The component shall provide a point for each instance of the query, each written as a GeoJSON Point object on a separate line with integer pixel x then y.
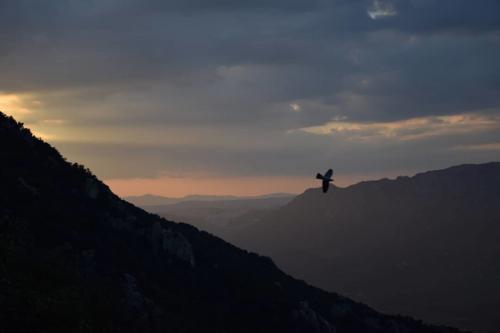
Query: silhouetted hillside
{"type": "Point", "coordinates": [76, 258]}
{"type": "Point", "coordinates": [425, 246]}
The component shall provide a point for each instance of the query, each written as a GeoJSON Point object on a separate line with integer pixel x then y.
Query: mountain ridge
{"type": "Point", "coordinates": [76, 257]}
{"type": "Point", "coordinates": [380, 241]}
{"type": "Point", "coordinates": [454, 168]}
{"type": "Point", "coordinates": [158, 200]}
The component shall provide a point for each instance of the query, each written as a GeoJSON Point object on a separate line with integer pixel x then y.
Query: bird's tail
{"type": "Point", "coordinates": [319, 176]}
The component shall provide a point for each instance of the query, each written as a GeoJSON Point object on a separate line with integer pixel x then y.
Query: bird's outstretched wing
{"type": "Point", "coordinates": [326, 184]}
{"type": "Point", "coordinates": [329, 173]}
{"type": "Point", "coordinates": [319, 176]}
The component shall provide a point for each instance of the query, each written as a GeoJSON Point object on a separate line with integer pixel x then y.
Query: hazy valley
{"type": "Point", "coordinates": [425, 246]}
{"type": "Point", "coordinates": [214, 214]}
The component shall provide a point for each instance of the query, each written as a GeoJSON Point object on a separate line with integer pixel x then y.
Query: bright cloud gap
{"type": "Point", "coordinates": [408, 129]}
{"type": "Point", "coordinates": [381, 9]}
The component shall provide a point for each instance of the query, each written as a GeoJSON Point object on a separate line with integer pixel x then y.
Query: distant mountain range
{"type": "Point", "coordinates": [74, 257]}
{"type": "Point", "coordinates": [156, 200]}
{"type": "Point", "coordinates": [426, 245]}
{"type": "Point", "coordinates": [215, 215]}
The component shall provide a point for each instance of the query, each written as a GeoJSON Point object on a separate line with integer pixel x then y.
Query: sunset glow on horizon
{"type": "Point", "coordinates": [165, 99]}
{"type": "Point", "coordinates": [245, 186]}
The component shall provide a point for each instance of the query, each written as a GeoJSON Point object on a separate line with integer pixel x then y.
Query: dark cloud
{"type": "Point", "coordinates": [458, 16]}
{"type": "Point", "coordinates": [240, 64]}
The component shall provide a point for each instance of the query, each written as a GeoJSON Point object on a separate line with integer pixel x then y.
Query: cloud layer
{"type": "Point", "coordinates": [220, 87]}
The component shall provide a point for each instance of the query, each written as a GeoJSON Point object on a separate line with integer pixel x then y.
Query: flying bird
{"type": "Point", "coordinates": [326, 179]}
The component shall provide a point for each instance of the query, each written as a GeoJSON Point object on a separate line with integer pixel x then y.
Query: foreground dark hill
{"type": "Point", "coordinates": [76, 258]}
{"type": "Point", "coordinates": [427, 246]}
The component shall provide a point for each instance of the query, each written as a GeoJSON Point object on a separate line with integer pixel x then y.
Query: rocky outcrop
{"type": "Point", "coordinates": [310, 320]}
{"type": "Point", "coordinates": [171, 243]}
{"type": "Point", "coordinates": [175, 244]}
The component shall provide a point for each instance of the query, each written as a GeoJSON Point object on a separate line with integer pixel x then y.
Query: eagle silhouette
{"type": "Point", "coordinates": [326, 179]}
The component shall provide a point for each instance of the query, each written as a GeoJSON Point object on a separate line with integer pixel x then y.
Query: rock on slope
{"type": "Point", "coordinates": [74, 257]}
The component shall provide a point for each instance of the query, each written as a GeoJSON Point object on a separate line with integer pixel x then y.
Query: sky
{"type": "Point", "coordinates": [250, 97]}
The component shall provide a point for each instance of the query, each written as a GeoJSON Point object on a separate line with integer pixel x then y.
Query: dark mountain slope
{"type": "Point", "coordinates": [74, 257]}
{"type": "Point", "coordinates": [425, 246]}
